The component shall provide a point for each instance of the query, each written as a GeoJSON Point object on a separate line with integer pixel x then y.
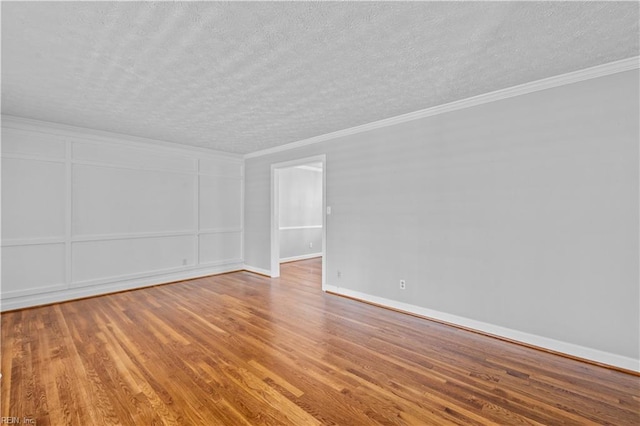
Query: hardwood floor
{"type": "Point", "coordinates": [244, 349]}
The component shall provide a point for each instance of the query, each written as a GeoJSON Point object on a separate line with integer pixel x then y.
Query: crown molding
{"type": "Point", "coordinates": [93, 135]}
{"type": "Point", "coordinates": [510, 92]}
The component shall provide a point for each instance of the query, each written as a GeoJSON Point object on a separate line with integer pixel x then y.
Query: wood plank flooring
{"type": "Point", "coordinates": [241, 349]}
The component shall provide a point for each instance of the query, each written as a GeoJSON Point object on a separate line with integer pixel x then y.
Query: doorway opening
{"type": "Point", "coordinates": [298, 207]}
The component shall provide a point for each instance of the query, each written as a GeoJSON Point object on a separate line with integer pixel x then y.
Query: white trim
{"type": "Point", "coordinates": [68, 217]}
{"type": "Point", "coordinates": [142, 168]}
{"type": "Point", "coordinates": [73, 137]}
{"type": "Point", "coordinates": [301, 257]}
{"type": "Point", "coordinates": [275, 226]}
{"type": "Point", "coordinates": [131, 236]}
{"type": "Point", "coordinates": [324, 222]}
{"type": "Point", "coordinates": [115, 236]}
{"type": "Point", "coordinates": [256, 270]}
{"type": "Point", "coordinates": [29, 157]}
{"type": "Point", "coordinates": [33, 241]}
{"type": "Point", "coordinates": [87, 135]}
{"type": "Point", "coordinates": [242, 191]}
{"type": "Point", "coordinates": [35, 290]}
{"type": "Point", "coordinates": [131, 284]}
{"type": "Point", "coordinates": [531, 339]}
{"type": "Point", "coordinates": [196, 212]}
{"type": "Point", "coordinates": [510, 92]}
{"type": "Point", "coordinates": [291, 228]}
{"type": "Point", "coordinates": [114, 165]}
{"type": "Point", "coordinates": [152, 273]}
{"type": "Point", "coordinates": [219, 230]}
{"type": "Point", "coordinates": [275, 222]}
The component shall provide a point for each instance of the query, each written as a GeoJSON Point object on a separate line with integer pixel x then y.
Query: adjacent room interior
{"type": "Point", "coordinates": [320, 213]}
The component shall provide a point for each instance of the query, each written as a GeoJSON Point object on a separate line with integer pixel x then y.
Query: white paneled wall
{"type": "Point", "coordinates": [110, 200]}
{"type": "Point", "coordinates": [33, 197]}
{"type": "Point", "coordinates": [85, 212]}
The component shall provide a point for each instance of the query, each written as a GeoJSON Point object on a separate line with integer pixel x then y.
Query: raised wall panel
{"type": "Point", "coordinates": [132, 157]}
{"type": "Point", "coordinates": [31, 143]}
{"type": "Point", "coordinates": [220, 202]}
{"type": "Point", "coordinates": [115, 201]}
{"type": "Point", "coordinates": [33, 199]}
{"type": "Point", "coordinates": [98, 260]}
{"type": "Point", "coordinates": [31, 269]}
{"type": "Point", "coordinates": [221, 167]}
{"type": "Point", "coordinates": [220, 246]}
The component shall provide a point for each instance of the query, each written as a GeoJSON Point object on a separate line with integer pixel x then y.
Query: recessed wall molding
{"type": "Point", "coordinates": [128, 211]}
{"type": "Point", "coordinates": [130, 236]}
{"type": "Point", "coordinates": [33, 241]}
{"type": "Point", "coordinates": [522, 89]}
{"type": "Point", "coordinates": [218, 231]}
{"type": "Point", "coordinates": [32, 158]}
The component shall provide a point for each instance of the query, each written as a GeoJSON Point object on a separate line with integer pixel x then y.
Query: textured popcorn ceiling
{"type": "Point", "coordinates": [242, 77]}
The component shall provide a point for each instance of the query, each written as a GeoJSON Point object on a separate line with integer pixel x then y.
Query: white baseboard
{"type": "Point", "coordinates": [519, 336]}
{"type": "Point", "coordinates": [256, 270]}
{"type": "Point", "coordinates": [8, 304]}
{"type": "Point", "coordinates": [301, 257]}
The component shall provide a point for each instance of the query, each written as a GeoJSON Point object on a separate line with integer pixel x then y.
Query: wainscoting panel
{"type": "Point", "coordinates": [97, 261]}
{"type": "Point", "coordinates": [33, 199]}
{"type": "Point", "coordinates": [220, 202]}
{"type": "Point", "coordinates": [34, 268]}
{"type": "Point", "coordinates": [111, 200]}
{"type": "Point", "coordinates": [220, 247]}
{"type": "Point", "coordinates": [86, 212]}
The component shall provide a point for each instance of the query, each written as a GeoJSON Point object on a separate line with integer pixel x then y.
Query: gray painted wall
{"type": "Point", "coordinates": [300, 243]}
{"type": "Point", "coordinates": [521, 213]}
{"type": "Point", "coordinates": [300, 201]}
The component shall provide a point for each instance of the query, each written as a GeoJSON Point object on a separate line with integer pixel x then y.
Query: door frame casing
{"type": "Point", "coordinates": [275, 211]}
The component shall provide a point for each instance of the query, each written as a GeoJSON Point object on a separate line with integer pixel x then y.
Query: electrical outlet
{"type": "Point", "coordinates": [311, 245]}
{"type": "Point", "coordinates": [184, 261]}
{"type": "Point", "coordinates": [339, 274]}
{"type": "Point", "coordinates": [403, 284]}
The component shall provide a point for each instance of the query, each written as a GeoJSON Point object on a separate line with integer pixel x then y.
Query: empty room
{"type": "Point", "coordinates": [320, 213]}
